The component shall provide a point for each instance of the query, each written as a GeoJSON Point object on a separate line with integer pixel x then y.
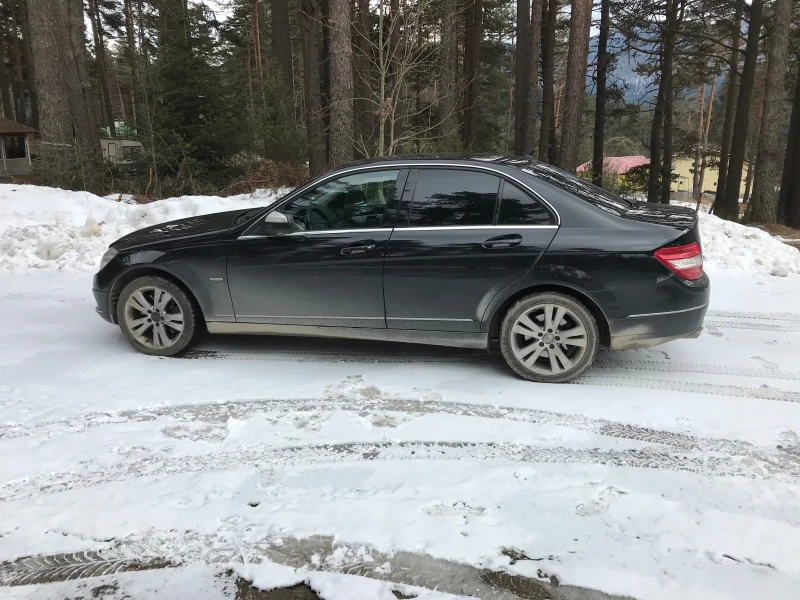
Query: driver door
{"type": "Point", "coordinates": [328, 270]}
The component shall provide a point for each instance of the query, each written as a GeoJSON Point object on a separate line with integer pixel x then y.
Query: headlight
{"type": "Point", "coordinates": [110, 254]}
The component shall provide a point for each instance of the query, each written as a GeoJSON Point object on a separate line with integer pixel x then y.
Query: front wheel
{"type": "Point", "coordinates": [549, 337]}
{"type": "Point", "coordinates": [156, 316]}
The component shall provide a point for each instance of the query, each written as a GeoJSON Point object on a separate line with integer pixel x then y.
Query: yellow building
{"type": "Point", "coordinates": [683, 169]}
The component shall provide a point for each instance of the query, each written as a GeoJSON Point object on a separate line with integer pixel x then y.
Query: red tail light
{"type": "Point", "coordinates": [684, 261]}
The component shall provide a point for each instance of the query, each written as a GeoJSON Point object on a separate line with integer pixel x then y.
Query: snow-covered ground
{"type": "Point", "coordinates": [665, 473]}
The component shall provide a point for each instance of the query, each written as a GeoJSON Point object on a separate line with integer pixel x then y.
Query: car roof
{"type": "Point", "coordinates": [445, 159]}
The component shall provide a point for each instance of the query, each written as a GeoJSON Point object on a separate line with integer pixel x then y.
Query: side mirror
{"type": "Point", "coordinates": [277, 222]}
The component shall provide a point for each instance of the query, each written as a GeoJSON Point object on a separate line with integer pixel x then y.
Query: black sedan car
{"type": "Point", "coordinates": [465, 252]}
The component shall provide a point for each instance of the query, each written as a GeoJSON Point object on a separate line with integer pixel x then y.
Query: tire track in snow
{"type": "Point", "coordinates": [483, 358]}
{"type": "Point", "coordinates": [683, 367]}
{"type": "Point", "coordinates": [259, 456]}
{"type": "Point", "coordinates": [313, 553]}
{"type": "Point", "coordinates": [32, 570]}
{"type": "Point", "coordinates": [762, 316]}
{"type": "Point", "coordinates": [220, 413]}
{"type": "Point", "coordinates": [711, 389]}
{"type": "Point", "coordinates": [785, 328]}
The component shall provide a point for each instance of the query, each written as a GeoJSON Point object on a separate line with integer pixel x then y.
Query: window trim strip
{"type": "Point", "coordinates": [411, 165]}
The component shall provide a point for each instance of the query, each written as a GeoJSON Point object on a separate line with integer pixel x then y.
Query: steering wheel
{"type": "Point", "coordinates": [325, 220]}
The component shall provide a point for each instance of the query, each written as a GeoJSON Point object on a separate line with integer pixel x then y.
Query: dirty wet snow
{"type": "Point", "coordinates": [364, 469]}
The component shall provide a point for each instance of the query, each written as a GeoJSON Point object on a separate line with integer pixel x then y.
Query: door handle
{"type": "Point", "coordinates": [358, 248]}
{"type": "Point", "coordinates": [503, 241]}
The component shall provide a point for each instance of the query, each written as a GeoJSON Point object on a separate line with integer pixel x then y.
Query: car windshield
{"type": "Point", "coordinates": [578, 187]}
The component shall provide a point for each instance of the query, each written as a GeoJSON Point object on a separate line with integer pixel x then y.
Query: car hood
{"type": "Point", "coordinates": [200, 226]}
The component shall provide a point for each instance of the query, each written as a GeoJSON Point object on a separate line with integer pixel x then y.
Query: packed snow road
{"type": "Point", "coordinates": [364, 468]}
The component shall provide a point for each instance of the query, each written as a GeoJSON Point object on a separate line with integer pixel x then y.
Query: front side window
{"type": "Point", "coordinates": [352, 202]}
{"type": "Point", "coordinates": [519, 208]}
{"type": "Point", "coordinates": [452, 197]}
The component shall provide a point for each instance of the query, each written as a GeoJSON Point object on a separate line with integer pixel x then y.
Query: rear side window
{"type": "Point", "coordinates": [452, 197]}
{"type": "Point", "coordinates": [519, 208]}
{"type": "Point", "coordinates": [578, 187]}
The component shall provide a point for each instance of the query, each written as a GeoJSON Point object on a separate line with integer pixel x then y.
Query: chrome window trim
{"type": "Point", "coordinates": [457, 227]}
{"type": "Point", "coordinates": [316, 232]}
{"type": "Point", "coordinates": [669, 312]}
{"type": "Point", "coordinates": [409, 165]}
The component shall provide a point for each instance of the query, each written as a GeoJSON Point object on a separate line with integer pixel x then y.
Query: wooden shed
{"type": "Point", "coordinates": [14, 147]}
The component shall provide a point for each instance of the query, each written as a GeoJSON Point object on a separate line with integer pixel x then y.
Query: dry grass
{"type": "Point", "coordinates": [791, 236]}
{"type": "Point", "coordinates": [268, 175]}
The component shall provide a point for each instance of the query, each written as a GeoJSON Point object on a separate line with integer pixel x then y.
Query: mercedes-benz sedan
{"type": "Point", "coordinates": [467, 251]}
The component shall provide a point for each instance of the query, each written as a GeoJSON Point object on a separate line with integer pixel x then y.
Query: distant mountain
{"type": "Point", "coordinates": [637, 87]}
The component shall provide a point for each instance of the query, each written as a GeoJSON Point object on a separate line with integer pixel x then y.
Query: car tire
{"type": "Point", "coordinates": [531, 343]}
{"type": "Point", "coordinates": [157, 316]}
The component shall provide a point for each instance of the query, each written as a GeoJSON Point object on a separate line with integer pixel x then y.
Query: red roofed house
{"type": "Point", "coordinates": [617, 164]}
{"type": "Point", "coordinates": [682, 172]}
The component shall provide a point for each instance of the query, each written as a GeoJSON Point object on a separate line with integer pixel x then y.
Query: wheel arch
{"type": "Point", "coordinates": [142, 271]}
{"type": "Point", "coordinates": [591, 305]}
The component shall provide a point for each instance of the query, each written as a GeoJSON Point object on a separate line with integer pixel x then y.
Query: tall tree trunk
{"type": "Point", "coordinates": [312, 75]}
{"type": "Point", "coordinates": [29, 76]}
{"type": "Point", "coordinates": [704, 156]}
{"type": "Point", "coordinates": [522, 71]}
{"type": "Point", "coordinates": [546, 140]}
{"type": "Point", "coordinates": [130, 56]}
{"type": "Point", "coordinates": [533, 77]}
{"type": "Point", "coordinates": [752, 168]}
{"type": "Point", "coordinates": [671, 33]}
{"type": "Point", "coordinates": [448, 77]}
{"type": "Point", "coordinates": [658, 131]}
{"type": "Point", "coordinates": [363, 85]}
{"type": "Point", "coordinates": [600, 97]}
{"type": "Point", "coordinates": [341, 149]}
{"type": "Point", "coordinates": [698, 148]}
{"type": "Point", "coordinates": [19, 79]}
{"type": "Point", "coordinates": [5, 83]}
{"type": "Point", "coordinates": [67, 118]}
{"type": "Point", "coordinates": [730, 107]}
{"type": "Point", "coordinates": [656, 143]}
{"type": "Point", "coordinates": [575, 89]}
{"type": "Point", "coordinates": [789, 201]}
{"type": "Point", "coordinates": [707, 128]}
{"type": "Point", "coordinates": [282, 41]}
{"type": "Point", "coordinates": [729, 206]}
{"type": "Point", "coordinates": [325, 82]}
{"type": "Point", "coordinates": [666, 165]}
{"type": "Point", "coordinates": [473, 34]}
{"type": "Point", "coordinates": [100, 62]}
{"type": "Point", "coordinates": [763, 207]}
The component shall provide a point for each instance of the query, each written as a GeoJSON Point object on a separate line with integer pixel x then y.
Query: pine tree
{"type": "Point", "coordinates": [763, 206]}
{"type": "Point", "coordinates": [575, 90]}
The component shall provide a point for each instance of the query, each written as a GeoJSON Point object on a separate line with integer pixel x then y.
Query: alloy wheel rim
{"type": "Point", "coordinates": [154, 318]}
{"type": "Point", "coordinates": [549, 339]}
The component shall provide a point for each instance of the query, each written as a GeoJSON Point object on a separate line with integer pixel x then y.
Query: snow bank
{"type": "Point", "coordinates": [733, 246]}
{"type": "Point", "coordinates": [49, 228]}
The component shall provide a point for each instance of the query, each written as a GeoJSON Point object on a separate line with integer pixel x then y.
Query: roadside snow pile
{"type": "Point", "coordinates": [733, 246]}
{"type": "Point", "coordinates": [49, 228]}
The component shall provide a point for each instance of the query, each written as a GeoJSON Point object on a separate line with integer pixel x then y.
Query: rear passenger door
{"type": "Point", "coordinates": [461, 236]}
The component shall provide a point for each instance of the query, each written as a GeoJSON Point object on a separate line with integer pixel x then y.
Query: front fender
{"type": "Point", "coordinates": [201, 271]}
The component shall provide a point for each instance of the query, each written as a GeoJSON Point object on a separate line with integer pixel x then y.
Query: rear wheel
{"type": "Point", "coordinates": [549, 337]}
{"type": "Point", "coordinates": [156, 316]}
